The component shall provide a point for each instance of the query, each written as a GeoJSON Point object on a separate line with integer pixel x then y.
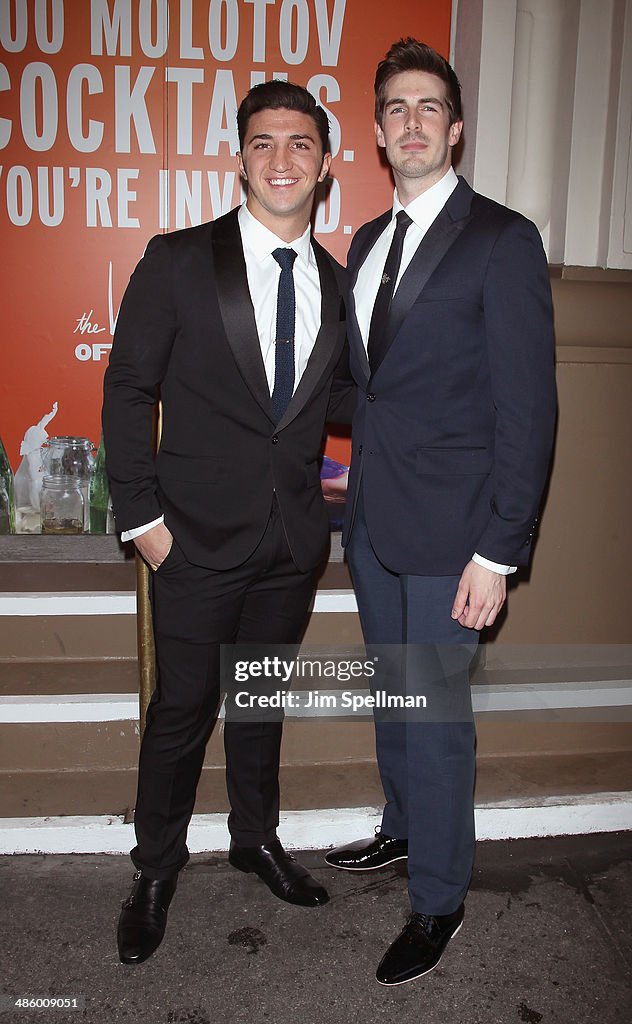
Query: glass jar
{"type": "Point", "coordinates": [62, 505]}
{"type": "Point", "coordinates": [71, 456]}
{"type": "Point", "coordinates": [68, 456]}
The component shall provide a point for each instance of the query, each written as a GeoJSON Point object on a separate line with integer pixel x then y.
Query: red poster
{"type": "Point", "coordinates": [117, 121]}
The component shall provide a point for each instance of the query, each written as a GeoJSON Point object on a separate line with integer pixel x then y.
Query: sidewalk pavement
{"type": "Point", "coordinates": [547, 939]}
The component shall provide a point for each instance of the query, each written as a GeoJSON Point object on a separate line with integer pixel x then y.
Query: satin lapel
{"type": "Point", "coordinates": [353, 331]}
{"type": "Point", "coordinates": [441, 234]}
{"type": "Point", "coordinates": [355, 339]}
{"type": "Point", "coordinates": [236, 307]}
{"type": "Point", "coordinates": [326, 339]}
{"type": "Point", "coordinates": [373, 232]}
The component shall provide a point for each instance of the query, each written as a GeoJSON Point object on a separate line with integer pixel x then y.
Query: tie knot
{"type": "Point", "coordinates": [403, 222]}
{"type": "Point", "coordinates": [285, 258]}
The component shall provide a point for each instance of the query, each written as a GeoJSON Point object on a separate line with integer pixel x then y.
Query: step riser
{"type": "Point", "coordinates": [101, 745]}
{"type": "Point", "coordinates": [37, 794]}
{"type": "Point", "coordinates": [499, 780]}
{"type": "Point", "coordinates": [55, 637]}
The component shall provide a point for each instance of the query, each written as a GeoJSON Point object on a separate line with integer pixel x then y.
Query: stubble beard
{"type": "Point", "coordinates": [420, 165]}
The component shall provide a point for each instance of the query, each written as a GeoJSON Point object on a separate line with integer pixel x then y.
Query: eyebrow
{"type": "Point", "coordinates": [296, 136]}
{"type": "Point", "coordinates": [422, 99]}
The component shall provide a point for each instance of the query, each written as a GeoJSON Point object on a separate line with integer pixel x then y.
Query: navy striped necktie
{"type": "Point", "coordinates": [284, 344]}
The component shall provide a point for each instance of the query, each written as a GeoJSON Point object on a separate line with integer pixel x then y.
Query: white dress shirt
{"type": "Point", "coordinates": [423, 211]}
{"type": "Point", "coordinates": [263, 272]}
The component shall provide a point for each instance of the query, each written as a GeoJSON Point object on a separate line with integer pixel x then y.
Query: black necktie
{"type": "Point", "coordinates": [284, 352]}
{"type": "Point", "coordinates": [378, 331]}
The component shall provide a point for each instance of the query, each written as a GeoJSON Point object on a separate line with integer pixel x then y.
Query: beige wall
{"type": "Point", "coordinates": [578, 588]}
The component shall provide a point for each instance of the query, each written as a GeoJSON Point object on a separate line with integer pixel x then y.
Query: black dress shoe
{"type": "Point", "coordinates": [283, 876]}
{"type": "Point", "coordinates": [144, 917]}
{"type": "Point", "coordinates": [368, 854]}
{"type": "Point", "coordinates": [419, 948]}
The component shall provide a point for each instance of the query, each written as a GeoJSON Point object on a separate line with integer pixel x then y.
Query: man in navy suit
{"type": "Point", "coordinates": [452, 349]}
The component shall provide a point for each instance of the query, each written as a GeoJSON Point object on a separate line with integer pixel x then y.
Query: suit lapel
{"type": "Point", "coordinates": [236, 307]}
{"type": "Point", "coordinates": [373, 232]}
{"type": "Point", "coordinates": [441, 235]}
{"type": "Point", "coordinates": [241, 328]}
{"type": "Point", "coordinates": [356, 343]}
{"type": "Point", "coordinates": [326, 339]}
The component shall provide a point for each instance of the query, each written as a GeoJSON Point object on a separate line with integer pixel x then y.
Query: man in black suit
{"type": "Point", "coordinates": [452, 348]}
{"type": "Point", "coordinates": [238, 327]}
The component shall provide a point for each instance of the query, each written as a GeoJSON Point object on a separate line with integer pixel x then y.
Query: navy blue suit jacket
{"type": "Point", "coordinates": [453, 430]}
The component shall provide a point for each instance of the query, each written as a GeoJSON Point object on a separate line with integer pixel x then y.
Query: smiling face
{"type": "Point", "coordinates": [282, 163]}
{"type": "Point", "coordinates": [416, 131]}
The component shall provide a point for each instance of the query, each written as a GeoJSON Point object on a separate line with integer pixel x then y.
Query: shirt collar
{"type": "Point", "coordinates": [429, 204]}
{"type": "Point", "coordinates": [261, 242]}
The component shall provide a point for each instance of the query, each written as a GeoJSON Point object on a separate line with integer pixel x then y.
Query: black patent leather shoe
{"type": "Point", "coordinates": [281, 873]}
{"type": "Point", "coordinates": [368, 854]}
{"type": "Point", "coordinates": [419, 948]}
{"type": "Point", "coordinates": [144, 917]}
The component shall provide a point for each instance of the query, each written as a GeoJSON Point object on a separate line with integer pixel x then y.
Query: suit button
{"type": "Point", "coordinates": [275, 439]}
{"type": "Point", "coordinates": [360, 450]}
{"type": "Point", "coordinates": [370, 397]}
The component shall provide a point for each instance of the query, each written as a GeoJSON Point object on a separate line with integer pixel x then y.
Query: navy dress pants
{"type": "Point", "coordinates": [426, 766]}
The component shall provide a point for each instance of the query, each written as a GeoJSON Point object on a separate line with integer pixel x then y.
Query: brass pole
{"type": "Point", "coordinates": [145, 642]}
{"type": "Point", "coordinates": [144, 623]}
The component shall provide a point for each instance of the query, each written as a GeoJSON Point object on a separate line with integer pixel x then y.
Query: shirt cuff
{"type": "Point", "coordinates": [138, 531]}
{"type": "Point", "coordinates": [502, 570]}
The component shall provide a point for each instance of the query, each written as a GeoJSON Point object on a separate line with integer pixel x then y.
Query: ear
{"type": "Point", "coordinates": [242, 169]}
{"type": "Point", "coordinates": [324, 170]}
{"type": "Point", "coordinates": [379, 135]}
{"type": "Point", "coordinates": [454, 133]}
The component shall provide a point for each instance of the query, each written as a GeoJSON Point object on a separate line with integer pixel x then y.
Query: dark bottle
{"type": "Point", "coordinates": [7, 498]}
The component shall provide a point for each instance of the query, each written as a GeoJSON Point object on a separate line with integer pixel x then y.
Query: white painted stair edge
{"type": "Point", "coordinates": [319, 829]}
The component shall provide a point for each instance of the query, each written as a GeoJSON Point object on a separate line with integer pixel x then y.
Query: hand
{"type": "Point", "coordinates": [480, 596]}
{"type": "Point", "coordinates": [335, 488]}
{"type": "Point", "coordinates": [155, 545]}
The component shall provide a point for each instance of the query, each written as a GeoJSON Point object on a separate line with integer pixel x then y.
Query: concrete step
{"type": "Point", "coordinates": [88, 768]}
{"type": "Point", "coordinates": [56, 746]}
{"type": "Point", "coordinates": [72, 669]}
{"type": "Point", "coordinates": [68, 676]}
{"type": "Point", "coordinates": [508, 780]}
{"type": "Point", "coordinates": [62, 638]}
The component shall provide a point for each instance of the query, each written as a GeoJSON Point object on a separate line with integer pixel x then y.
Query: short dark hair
{"type": "Point", "coordinates": [280, 95]}
{"type": "Point", "coordinates": [411, 55]}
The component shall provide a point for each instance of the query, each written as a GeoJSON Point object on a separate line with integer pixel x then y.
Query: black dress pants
{"type": "Point", "coordinates": [196, 610]}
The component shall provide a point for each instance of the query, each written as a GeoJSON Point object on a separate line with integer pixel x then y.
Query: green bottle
{"type": "Point", "coordinates": [99, 493]}
{"type": "Point", "coordinates": [7, 499]}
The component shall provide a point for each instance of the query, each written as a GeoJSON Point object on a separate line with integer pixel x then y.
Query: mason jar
{"type": "Point", "coordinates": [71, 456]}
{"type": "Point", "coordinates": [62, 505]}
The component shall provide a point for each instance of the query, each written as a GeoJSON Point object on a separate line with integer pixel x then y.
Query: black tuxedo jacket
{"type": "Point", "coordinates": [186, 334]}
{"type": "Point", "coordinates": [453, 430]}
